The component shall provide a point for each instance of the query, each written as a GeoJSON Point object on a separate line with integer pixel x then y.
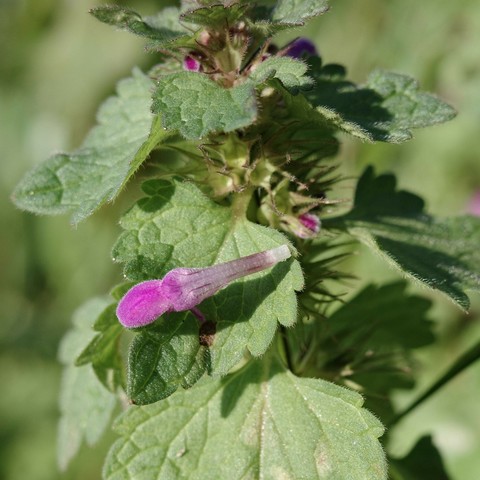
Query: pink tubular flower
{"type": "Point", "coordinates": [184, 288]}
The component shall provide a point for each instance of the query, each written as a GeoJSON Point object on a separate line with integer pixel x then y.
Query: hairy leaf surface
{"type": "Point", "coordinates": [164, 357]}
{"type": "Point", "coordinates": [385, 109]}
{"type": "Point", "coordinates": [83, 181]}
{"type": "Point", "coordinates": [442, 254]}
{"type": "Point", "coordinates": [177, 226]}
{"type": "Point", "coordinates": [260, 422]}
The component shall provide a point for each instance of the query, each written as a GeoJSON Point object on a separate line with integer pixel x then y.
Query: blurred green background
{"type": "Point", "coordinates": [58, 63]}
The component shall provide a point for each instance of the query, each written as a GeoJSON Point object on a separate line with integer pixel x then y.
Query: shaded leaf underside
{"type": "Point", "coordinates": [441, 254]}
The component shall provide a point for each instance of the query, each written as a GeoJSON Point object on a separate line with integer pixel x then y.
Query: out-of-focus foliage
{"type": "Point", "coordinates": [58, 63]}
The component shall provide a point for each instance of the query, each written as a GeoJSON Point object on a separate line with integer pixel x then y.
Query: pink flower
{"type": "Point", "coordinates": [184, 288]}
{"type": "Point", "coordinates": [311, 224]}
{"type": "Point", "coordinates": [190, 64]}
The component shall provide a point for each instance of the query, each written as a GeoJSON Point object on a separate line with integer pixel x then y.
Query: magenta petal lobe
{"type": "Point", "coordinates": [142, 304]}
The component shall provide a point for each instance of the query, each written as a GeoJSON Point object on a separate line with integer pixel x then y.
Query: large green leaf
{"type": "Point", "coordinates": [175, 226]}
{"type": "Point", "coordinates": [85, 405]}
{"type": "Point", "coordinates": [260, 422]}
{"type": "Point", "coordinates": [164, 357]}
{"type": "Point", "coordinates": [385, 109]}
{"type": "Point", "coordinates": [442, 254]}
{"type": "Point", "coordinates": [111, 153]}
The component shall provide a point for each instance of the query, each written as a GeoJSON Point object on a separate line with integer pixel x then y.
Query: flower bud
{"type": "Point", "coordinates": [299, 48]}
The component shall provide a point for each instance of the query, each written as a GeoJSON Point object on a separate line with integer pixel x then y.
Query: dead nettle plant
{"type": "Point", "coordinates": [228, 338]}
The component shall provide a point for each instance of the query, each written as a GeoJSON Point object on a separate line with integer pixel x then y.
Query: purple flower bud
{"type": "Point", "coordinates": [299, 47]}
{"type": "Point", "coordinates": [184, 288]}
{"type": "Point", "coordinates": [311, 224]}
{"type": "Point", "coordinates": [190, 64]}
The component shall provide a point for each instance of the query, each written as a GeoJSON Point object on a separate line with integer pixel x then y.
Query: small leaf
{"type": "Point", "coordinates": [422, 462]}
{"type": "Point", "coordinates": [103, 350]}
{"type": "Point", "coordinates": [274, 16]}
{"type": "Point", "coordinates": [195, 105]}
{"type": "Point", "coordinates": [385, 109]}
{"type": "Point", "coordinates": [94, 174]}
{"type": "Point", "coordinates": [164, 29]}
{"type": "Point", "coordinates": [259, 422]}
{"type": "Point", "coordinates": [85, 405]}
{"type": "Point", "coordinates": [177, 226]}
{"type": "Point", "coordinates": [289, 71]}
{"type": "Point", "coordinates": [165, 357]}
{"type": "Point", "coordinates": [442, 254]}
{"type": "Point", "coordinates": [215, 16]}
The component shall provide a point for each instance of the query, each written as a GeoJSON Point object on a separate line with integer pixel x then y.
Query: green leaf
{"type": "Point", "coordinates": [289, 71]}
{"type": "Point", "coordinates": [215, 16]}
{"type": "Point", "coordinates": [165, 357]}
{"type": "Point", "coordinates": [385, 109]}
{"type": "Point", "coordinates": [259, 422]}
{"type": "Point", "coordinates": [177, 226]}
{"type": "Point", "coordinates": [164, 28]}
{"type": "Point", "coordinates": [442, 254]}
{"type": "Point", "coordinates": [423, 462]}
{"type": "Point", "coordinates": [370, 338]}
{"type": "Point", "coordinates": [85, 405]}
{"type": "Point", "coordinates": [380, 318]}
{"type": "Point", "coordinates": [366, 342]}
{"type": "Point", "coordinates": [94, 174]}
{"type": "Point", "coordinates": [195, 105]}
{"type": "Point", "coordinates": [103, 350]}
{"type": "Point", "coordinates": [273, 16]}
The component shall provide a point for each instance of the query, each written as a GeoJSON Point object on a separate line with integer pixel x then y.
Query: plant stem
{"type": "Point", "coordinates": [467, 359]}
{"type": "Point", "coordinates": [240, 203]}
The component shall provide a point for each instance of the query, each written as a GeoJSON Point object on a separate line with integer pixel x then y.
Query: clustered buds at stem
{"type": "Point", "coordinates": [299, 48]}
{"type": "Point", "coordinates": [184, 288]}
